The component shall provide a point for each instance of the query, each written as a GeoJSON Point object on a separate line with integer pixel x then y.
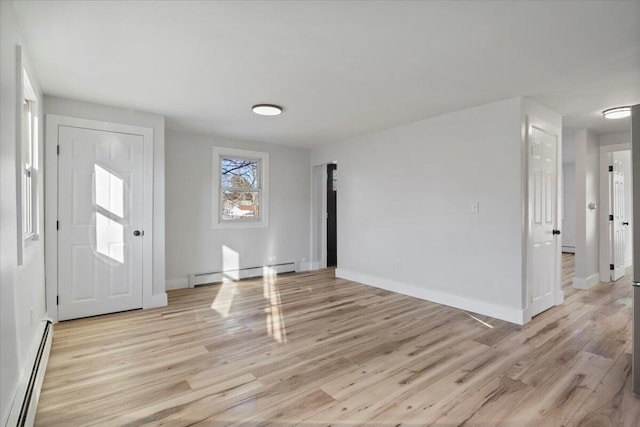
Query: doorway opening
{"type": "Point", "coordinates": [568, 265]}
{"type": "Point", "coordinates": [616, 216]}
{"type": "Point", "coordinates": [332, 222]}
{"type": "Point", "coordinates": [544, 244]}
{"type": "Point", "coordinates": [324, 235]}
{"type": "Point", "coordinates": [99, 258]}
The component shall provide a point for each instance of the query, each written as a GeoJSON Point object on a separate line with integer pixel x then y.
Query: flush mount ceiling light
{"type": "Point", "coordinates": [617, 113]}
{"type": "Point", "coordinates": [267, 109]}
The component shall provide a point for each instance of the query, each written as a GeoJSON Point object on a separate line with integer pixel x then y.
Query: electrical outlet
{"type": "Point", "coordinates": [475, 207]}
{"type": "Point", "coordinates": [398, 265]}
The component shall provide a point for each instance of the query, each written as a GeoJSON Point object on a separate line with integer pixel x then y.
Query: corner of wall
{"type": "Point", "coordinates": [586, 283]}
{"type": "Point", "coordinates": [509, 314]}
{"type": "Point", "coordinates": [308, 266]}
{"type": "Point", "coordinates": [158, 300]}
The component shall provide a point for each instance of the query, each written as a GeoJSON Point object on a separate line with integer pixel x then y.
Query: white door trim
{"type": "Point", "coordinates": [558, 296]}
{"type": "Point", "coordinates": [53, 121]}
{"type": "Point", "coordinates": [603, 224]}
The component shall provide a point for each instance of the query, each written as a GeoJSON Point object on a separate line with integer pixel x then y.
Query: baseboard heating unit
{"type": "Point", "coordinates": [23, 412]}
{"type": "Point", "coordinates": [242, 273]}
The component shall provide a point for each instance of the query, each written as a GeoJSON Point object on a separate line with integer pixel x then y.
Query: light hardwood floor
{"type": "Point", "coordinates": [314, 350]}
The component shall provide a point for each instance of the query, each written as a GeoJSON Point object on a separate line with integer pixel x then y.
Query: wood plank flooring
{"type": "Point", "coordinates": [312, 350]}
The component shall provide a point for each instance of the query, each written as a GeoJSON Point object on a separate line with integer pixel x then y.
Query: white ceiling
{"type": "Point", "coordinates": [339, 68]}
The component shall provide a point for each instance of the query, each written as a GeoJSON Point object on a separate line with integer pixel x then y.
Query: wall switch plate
{"type": "Point", "coordinates": [475, 207]}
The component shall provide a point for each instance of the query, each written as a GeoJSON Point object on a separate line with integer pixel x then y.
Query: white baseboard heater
{"type": "Point", "coordinates": [242, 273]}
{"type": "Point", "coordinates": [23, 412]}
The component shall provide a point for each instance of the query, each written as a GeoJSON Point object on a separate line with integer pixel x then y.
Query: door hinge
{"type": "Point", "coordinates": [610, 217]}
{"type": "Point", "coordinates": [57, 225]}
{"type": "Point", "coordinates": [57, 299]}
{"type": "Point", "coordinates": [612, 267]}
{"type": "Point", "coordinates": [610, 168]}
{"type": "Point", "coordinates": [58, 150]}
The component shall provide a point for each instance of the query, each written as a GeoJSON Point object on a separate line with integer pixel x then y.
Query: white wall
{"type": "Point", "coordinates": [404, 208]}
{"type": "Point", "coordinates": [193, 246]}
{"type": "Point", "coordinates": [318, 218]}
{"type": "Point", "coordinates": [569, 202]}
{"type": "Point", "coordinates": [22, 296]}
{"type": "Point", "coordinates": [615, 138]}
{"type": "Point", "coordinates": [586, 192]}
{"type": "Point", "coordinates": [86, 110]}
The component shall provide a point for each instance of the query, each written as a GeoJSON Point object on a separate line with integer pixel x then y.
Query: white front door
{"type": "Point", "coordinates": [543, 220]}
{"type": "Point", "coordinates": [616, 219]}
{"type": "Point", "coordinates": [100, 207]}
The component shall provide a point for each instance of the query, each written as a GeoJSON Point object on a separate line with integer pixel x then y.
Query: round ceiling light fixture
{"type": "Point", "coordinates": [267, 109]}
{"type": "Point", "coordinates": [617, 113]}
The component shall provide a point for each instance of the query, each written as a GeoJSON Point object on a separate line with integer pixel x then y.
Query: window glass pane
{"type": "Point", "coordinates": [240, 205]}
{"type": "Point", "coordinates": [27, 204]}
{"type": "Point", "coordinates": [26, 133]}
{"type": "Point", "coordinates": [239, 173]}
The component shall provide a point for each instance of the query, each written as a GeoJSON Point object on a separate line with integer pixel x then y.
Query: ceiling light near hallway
{"type": "Point", "coordinates": [617, 113]}
{"type": "Point", "coordinates": [267, 109]}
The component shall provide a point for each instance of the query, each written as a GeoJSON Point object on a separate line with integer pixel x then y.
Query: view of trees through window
{"type": "Point", "coordinates": [240, 189]}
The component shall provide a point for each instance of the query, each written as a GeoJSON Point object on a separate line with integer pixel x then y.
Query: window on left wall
{"type": "Point", "coordinates": [29, 157]}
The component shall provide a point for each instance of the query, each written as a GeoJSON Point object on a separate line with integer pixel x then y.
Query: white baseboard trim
{"type": "Point", "coordinates": [569, 249]}
{"type": "Point", "coordinates": [242, 273]}
{"type": "Point", "coordinates": [513, 315]}
{"type": "Point", "coordinates": [628, 262]}
{"type": "Point", "coordinates": [176, 284]}
{"type": "Point", "coordinates": [308, 265]}
{"type": "Point", "coordinates": [25, 401]}
{"type": "Point", "coordinates": [580, 283]}
{"type": "Point", "coordinates": [158, 300]}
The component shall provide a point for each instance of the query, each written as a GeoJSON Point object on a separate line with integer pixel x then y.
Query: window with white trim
{"type": "Point", "coordinates": [241, 188]}
{"type": "Point", "coordinates": [29, 147]}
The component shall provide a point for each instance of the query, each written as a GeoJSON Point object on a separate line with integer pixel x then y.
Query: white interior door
{"type": "Point", "coordinates": [616, 219]}
{"type": "Point", "coordinates": [100, 206]}
{"type": "Point", "coordinates": [543, 213]}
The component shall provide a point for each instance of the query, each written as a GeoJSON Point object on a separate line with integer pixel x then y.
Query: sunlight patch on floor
{"type": "Point", "coordinates": [275, 317]}
{"type": "Point", "coordinates": [481, 321]}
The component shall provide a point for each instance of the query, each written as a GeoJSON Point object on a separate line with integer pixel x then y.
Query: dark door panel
{"type": "Point", "coordinates": [332, 229]}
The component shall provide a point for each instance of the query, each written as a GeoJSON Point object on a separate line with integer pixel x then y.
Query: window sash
{"type": "Point", "coordinates": [258, 171]}
{"type": "Point", "coordinates": [221, 205]}
{"type": "Point", "coordinates": [252, 189]}
{"type": "Point", "coordinates": [28, 203]}
{"type": "Point", "coordinates": [30, 178]}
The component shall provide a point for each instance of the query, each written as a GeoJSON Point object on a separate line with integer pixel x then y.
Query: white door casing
{"type": "Point", "coordinates": [616, 219]}
{"type": "Point", "coordinates": [119, 161]}
{"type": "Point", "coordinates": [544, 250]}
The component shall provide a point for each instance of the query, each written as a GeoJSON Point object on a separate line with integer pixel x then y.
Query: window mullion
{"type": "Point", "coordinates": [241, 189]}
